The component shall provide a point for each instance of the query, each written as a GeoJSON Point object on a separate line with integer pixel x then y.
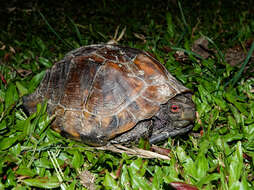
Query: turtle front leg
{"type": "Point", "coordinates": [142, 129]}
{"type": "Point", "coordinates": [167, 132]}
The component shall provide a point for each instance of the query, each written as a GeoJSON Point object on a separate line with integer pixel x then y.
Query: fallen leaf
{"type": "Point", "coordinates": [12, 50]}
{"type": "Point", "coordinates": [3, 79]}
{"type": "Point", "coordinates": [3, 47]}
{"type": "Point", "coordinates": [200, 47]}
{"type": "Point", "coordinates": [235, 56]}
{"type": "Point", "coordinates": [183, 186]}
{"type": "Point", "coordinates": [87, 179]}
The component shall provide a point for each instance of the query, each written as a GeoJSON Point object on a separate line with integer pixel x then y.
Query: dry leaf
{"type": "Point", "coordinates": [3, 47]}
{"type": "Point", "coordinates": [12, 50]}
{"type": "Point", "coordinates": [200, 47]}
{"type": "Point", "coordinates": [87, 179]}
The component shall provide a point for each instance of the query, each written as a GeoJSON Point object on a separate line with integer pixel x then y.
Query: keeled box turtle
{"type": "Point", "coordinates": [111, 94]}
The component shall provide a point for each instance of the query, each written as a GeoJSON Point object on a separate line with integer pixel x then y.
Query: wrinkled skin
{"type": "Point", "coordinates": [174, 118]}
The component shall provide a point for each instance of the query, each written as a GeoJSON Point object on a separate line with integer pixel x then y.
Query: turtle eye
{"type": "Point", "coordinates": [174, 108]}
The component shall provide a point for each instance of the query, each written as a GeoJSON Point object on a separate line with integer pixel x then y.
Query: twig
{"type": "Point", "coordinates": [116, 39]}
{"type": "Point", "coordinates": [133, 151]}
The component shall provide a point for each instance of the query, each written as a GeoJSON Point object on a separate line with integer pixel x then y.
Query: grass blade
{"type": "Point", "coordinates": [239, 73]}
{"type": "Point", "coordinates": [183, 17]}
{"type": "Point", "coordinates": [216, 47]}
{"type": "Point", "coordinates": [188, 52]}
{"type": "Point", "coordinates": [54, 32]}
{"type": "Point", "coordinates": [80, 38]}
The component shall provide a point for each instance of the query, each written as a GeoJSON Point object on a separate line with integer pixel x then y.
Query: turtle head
{"type": "Point", "coordinates": [174, 118]}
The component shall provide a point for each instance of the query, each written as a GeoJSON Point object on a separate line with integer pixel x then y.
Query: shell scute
{"type": "Point", "coordinates": [146, 109]}
{"type": "Point", "coordinates": [78, 82]}
{"type": "Point", "coordinates": [112, 90]}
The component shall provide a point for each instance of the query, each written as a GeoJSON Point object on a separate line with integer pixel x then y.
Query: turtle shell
{"type": "Point", "coordinates": [99, 91]}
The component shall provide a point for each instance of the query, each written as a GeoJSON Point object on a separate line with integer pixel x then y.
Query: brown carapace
{"type": "Point", "coordinates": [111, 94]}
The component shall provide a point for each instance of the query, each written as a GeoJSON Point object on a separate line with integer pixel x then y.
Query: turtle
{"type": "Point", "coordinates": [105, 94]}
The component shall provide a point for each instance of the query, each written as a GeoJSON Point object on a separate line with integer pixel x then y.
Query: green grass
{"type": "Point", "coordinates": [217, 154]}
